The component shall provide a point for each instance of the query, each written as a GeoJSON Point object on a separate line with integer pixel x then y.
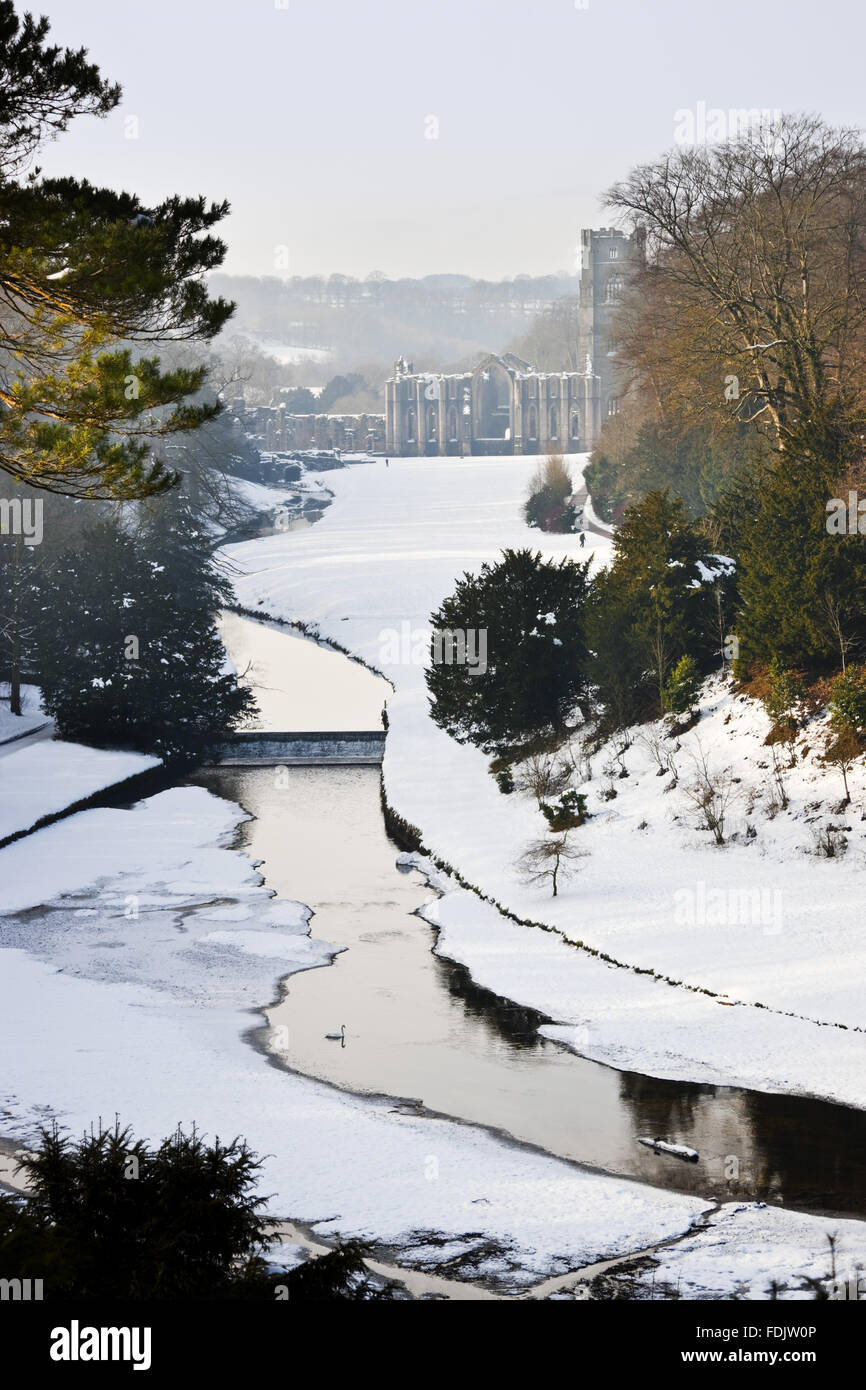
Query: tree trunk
{"type": "Point", "coordinates": [15, 673]}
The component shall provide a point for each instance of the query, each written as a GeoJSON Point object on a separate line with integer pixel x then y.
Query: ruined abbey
{"type": "Point", "coordinates": [505, 406]}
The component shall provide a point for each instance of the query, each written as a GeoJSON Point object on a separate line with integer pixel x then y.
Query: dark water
{"type": "Point", "coordinates": [418, 1029]}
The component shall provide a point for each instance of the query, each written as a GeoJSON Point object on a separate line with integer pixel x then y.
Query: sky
{"type": "Point", "coordinates": [410, 138]}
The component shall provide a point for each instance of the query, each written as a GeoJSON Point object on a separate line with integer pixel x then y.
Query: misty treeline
{"type": "Point", "coordinates": [439, 321]}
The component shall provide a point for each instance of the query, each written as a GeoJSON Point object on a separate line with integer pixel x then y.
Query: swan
{"type": "Point", "coordinates": [337, 1037]}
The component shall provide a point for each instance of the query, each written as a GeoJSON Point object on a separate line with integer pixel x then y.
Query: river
{"type": "Point", "coordinates": [419, 1030]}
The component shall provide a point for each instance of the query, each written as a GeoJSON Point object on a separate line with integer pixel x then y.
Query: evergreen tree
{"type": "Point", "coordinates": [531, 612]}
{"type": "Point", "coordinates": [682, 687]}
{"type": "Point", "coordinates": [653, 606]}
{"type": "Point", "coordinates": [136, 659]}
{"type": "Point", "coordinates": [848, 701]}
{"type": "Point", "coordinates": [803, 589]}
{"type": "Point", "coordinates": [82, 271]}
{"type": "Point", "coordinates": [110, 1218]}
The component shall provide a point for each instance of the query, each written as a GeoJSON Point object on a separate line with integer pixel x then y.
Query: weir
{"type": "Point", "coordinates": [350, 749]}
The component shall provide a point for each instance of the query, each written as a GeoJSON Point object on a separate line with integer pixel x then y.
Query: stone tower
{"type": "Point", "coordinates": [607, 256]}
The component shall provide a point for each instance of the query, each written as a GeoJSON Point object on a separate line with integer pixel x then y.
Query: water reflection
{"type": "Point", "coordinates": [419, 1028]}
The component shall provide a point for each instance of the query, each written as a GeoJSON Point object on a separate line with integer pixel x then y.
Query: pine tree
{"type": "Point", "coordinates": [108, 1217]}
{"type": "Point", "coordinates": [531, 613]}
{"type": "Point", "coordinates": [682, 687]}
{"type": "Point", "coordinates": [652, 607]}
{"type": "Point", "coordinates": [136, 660]}
{"type": "Point", "coordinates": [82, 271]}
{"type": "Point", "coordinates": [803, 590]}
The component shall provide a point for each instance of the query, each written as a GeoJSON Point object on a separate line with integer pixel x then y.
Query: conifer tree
{"type": "Point", "coordinates": [682, 687]}
{"type": "Point", "coordinates": [136, 659]}
{"type": "Point", "coordinates": [88, 279]}
{"type": "Point", "coordinates": [531, 612]}
{"type": "Point", "coordinates": [651, 608]}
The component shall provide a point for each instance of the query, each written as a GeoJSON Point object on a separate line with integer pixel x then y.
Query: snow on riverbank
{"type": "Point", "coordinates": [15, 726]}
{"type": "Point", "coordinates": [744, 1249]}
{"type": "Point", "coordinates": [50, 775]}
{"type": "Point", "coordinates": [387, 551]}
{"type": "Point", "coordinates": [128, 988]}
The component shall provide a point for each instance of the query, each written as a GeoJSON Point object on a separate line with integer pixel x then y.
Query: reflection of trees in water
{"type": "Point", "coordinates": [787, 1148]}
{"type": "Point", "coordinates": [664, 1108]}
{"type": "Point", "coordinates": [811, 1150]}
{"type": "Point", "coordinates": [515, 1025]}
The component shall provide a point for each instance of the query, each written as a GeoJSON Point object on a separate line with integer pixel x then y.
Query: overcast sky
{"type": "Point", "coordinates": [313, 116]}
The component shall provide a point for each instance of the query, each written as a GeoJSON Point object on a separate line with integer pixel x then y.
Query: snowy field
{"type": "Point", "coordinates": [654, 893]}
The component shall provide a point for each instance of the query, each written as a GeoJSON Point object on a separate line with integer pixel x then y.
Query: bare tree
{"type": "Point", "coordinates": [711, 794]}
{"type": "Point", "coordinates": [836, 613]}
{"type": "Point", "coordinates": [660, 752]}
{"type": "Point", "coordinates": [543, 777]}
{"type": "Point", "coordinates": [548, 860]}
{"type": "Point", "coordinates": [754, 278]}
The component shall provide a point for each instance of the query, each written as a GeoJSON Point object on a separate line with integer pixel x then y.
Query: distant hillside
{"type": "Point", "coordinates": [341, 322]}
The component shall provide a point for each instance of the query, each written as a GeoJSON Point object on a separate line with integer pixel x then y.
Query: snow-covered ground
{"type": "Point", "coordinates": [129, 987]}
{"type": "Point", "coordinates": [32, 716]}
{"type": "Point", "coordinates": [743, 1250]}
{"type": "Point", "coordinates": [131, 993]}
{"type": "Point", "coordinates": [762, 921]}
{"type": "Point", "coordinates": [46, 777]}
{"type": "Point", "coordinates": [148, 948]}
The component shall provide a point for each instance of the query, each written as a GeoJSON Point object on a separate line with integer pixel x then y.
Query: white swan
{"type": "Point", "coordinates": [337, 1037]}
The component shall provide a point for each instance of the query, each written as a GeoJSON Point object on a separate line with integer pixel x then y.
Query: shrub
{"type": "Point", "coordinates": [548, 506]}
{"type": "Point", "coordinates": [109, 1218]}
{"type": "Point", "coordinates": [567, 813]}
{"type": "Point", "coordinates": [682, 687]}
{"type": "Point", "coordinates": [848, 700]}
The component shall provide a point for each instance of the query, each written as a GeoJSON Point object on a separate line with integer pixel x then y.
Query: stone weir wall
{"type": "Point", "coordinates": [301, 749]}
